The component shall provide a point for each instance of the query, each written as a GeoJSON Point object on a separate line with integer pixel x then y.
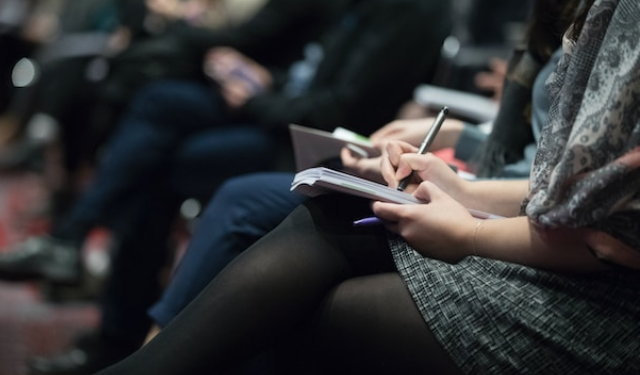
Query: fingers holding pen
{"type": "Point", "coordinates": [400, 160]}
{"type": "Point", "coordinates": [392, 166]}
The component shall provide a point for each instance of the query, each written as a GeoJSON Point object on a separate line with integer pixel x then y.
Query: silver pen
{"type": "Point", "coordinates": [428, 140]}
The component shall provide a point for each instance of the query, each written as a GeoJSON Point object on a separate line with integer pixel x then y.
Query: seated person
{"type": "Point", "coordinates": [436, 290]}
{"type": "Point", "coordinates": [99, 71]}
{"type": "Point", "coordinates": [250, 213]}
{"type": "Point", "coordinates": [176, 133]}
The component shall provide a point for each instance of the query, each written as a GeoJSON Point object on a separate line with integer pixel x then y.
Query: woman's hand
{"type": "Point", "coordinates": [399, 159]}
{"type": "Point", "coordinates": [239, 77]}
{"type": "Point", "coordinates": [442, 229]}
{"type": "Point", "coordinates": [390, 164]}
{"type": "Point", "coordinates": [413, 132]}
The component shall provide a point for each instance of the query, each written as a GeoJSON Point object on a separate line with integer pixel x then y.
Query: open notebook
{"type": "Point", "coordinates": [319, 180]}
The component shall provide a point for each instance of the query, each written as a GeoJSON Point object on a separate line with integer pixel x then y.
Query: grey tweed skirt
{"type": "Point", "coordinates": [500, 318]}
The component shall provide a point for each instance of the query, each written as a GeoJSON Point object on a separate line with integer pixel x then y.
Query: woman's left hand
{"type": "Point", "coordinates": [441, 229]}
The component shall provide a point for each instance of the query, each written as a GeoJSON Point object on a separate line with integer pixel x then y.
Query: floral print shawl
{"type": "Point", "coordinates": [587, 170]}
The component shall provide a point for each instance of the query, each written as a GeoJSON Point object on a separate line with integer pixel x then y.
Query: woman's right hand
{"type": "Point", "coordinates": [399, 159]}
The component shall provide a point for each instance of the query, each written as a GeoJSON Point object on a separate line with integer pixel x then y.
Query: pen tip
{"type": "Point", "coordinates": [445, 110]}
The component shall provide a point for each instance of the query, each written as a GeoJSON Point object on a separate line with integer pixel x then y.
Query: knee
{"type": "Point", "coordinates": [229, 204]}
{"type": "Point", "coordinates": [249, 205]}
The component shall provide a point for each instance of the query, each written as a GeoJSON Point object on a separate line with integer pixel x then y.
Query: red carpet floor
{"type": "Point", "coordinates": [30, 323]}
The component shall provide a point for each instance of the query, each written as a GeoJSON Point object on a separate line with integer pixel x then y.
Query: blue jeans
{"type": "Point", "coordinates": [175, 141]}
{"type": "Point", "coordinates": [161, 118]}
{"type": "Point", "coordinates": [243, 210]}
{"type": "Point", "coordinates": [144, 229]}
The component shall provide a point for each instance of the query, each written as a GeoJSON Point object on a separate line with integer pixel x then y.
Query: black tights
{"type": "Point", "coordinates": [316, 283]}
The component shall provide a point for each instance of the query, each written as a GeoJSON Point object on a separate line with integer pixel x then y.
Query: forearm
{"type": "Point", "coordinates": [500, 197]}
{"type": "Point", "coordinates": [517, 240]}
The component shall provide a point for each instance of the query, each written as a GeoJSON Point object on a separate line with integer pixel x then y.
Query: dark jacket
{"type": "Point", "coordinates": [274, 36]}
{"type": "Point", "coordinates": [373, 60]}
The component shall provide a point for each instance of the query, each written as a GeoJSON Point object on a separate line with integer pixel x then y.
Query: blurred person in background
{"type": "Point", "coordinates": [361, 80]}
{"type": "Point", "coordinates": [90, 58]}
{"type": "Point", "coordinates": [254, 212]}
{"type": "Point", "coordinates": [435, 290]}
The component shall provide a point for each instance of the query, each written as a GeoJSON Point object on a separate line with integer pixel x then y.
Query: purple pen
{"type": "Point", "coordinates": [367, 221]}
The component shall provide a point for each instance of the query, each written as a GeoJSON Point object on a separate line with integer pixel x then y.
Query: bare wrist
{"type": "Point", "coordinates": [477, 230]}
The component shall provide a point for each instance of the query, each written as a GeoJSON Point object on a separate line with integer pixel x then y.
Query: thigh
{"type": "Point", "coordinates": [371, 325]}
{"type": "Point", "coordinates": [180, 106]}
{"type": "Point", "coordinates": [255, 204]}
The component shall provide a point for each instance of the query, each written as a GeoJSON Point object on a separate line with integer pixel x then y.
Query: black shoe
{"type": "Point", "coordinates": [91, 354]}
{"type": "Point", "coordinates": [42, 258]}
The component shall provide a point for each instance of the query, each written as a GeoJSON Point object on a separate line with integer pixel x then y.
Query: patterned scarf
{"type": "Point", "coordinates": [587, 170]}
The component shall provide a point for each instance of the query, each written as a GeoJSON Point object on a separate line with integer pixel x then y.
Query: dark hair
{"type": "Point", "coordinates": [549, 21]}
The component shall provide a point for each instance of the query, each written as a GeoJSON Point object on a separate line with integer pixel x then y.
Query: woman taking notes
{"type": "Point", "coordinates": [551, 289]}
